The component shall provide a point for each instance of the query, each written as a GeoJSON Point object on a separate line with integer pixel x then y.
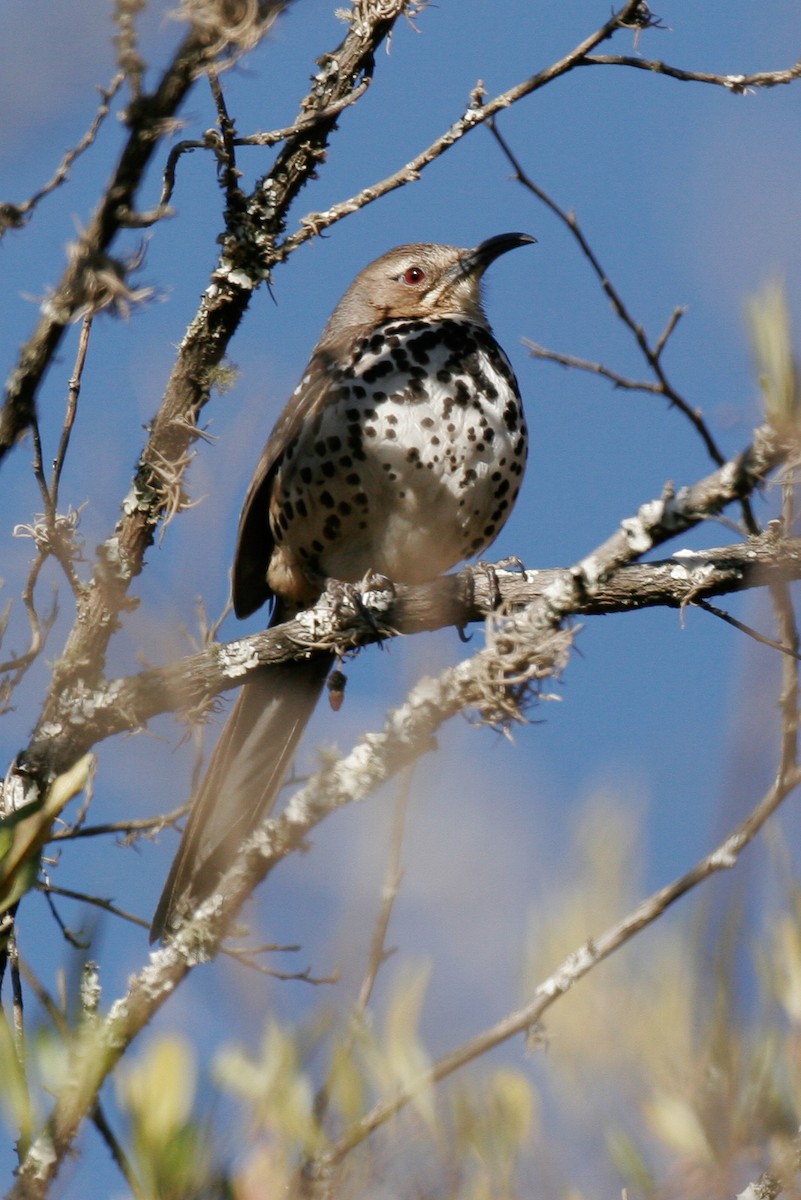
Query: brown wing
{"type": "Point", "coordinates": [255, 542]}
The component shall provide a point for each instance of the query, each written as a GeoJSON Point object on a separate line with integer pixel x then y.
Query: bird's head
{"type": "Point", "coordinates": [422, 280]}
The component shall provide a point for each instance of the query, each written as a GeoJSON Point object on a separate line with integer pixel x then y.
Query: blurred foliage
{"type": "Point", "coordinates": [25, 831]}
{"type": "Point", "coordinates": [170, 1150]}
{"type": "Point", "coordinates": [675, 1066]}
{"type": "Point", "coordinates": [770, 327]}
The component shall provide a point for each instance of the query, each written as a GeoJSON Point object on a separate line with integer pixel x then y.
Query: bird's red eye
{"type": "Point", "coordinates": [414, 275]}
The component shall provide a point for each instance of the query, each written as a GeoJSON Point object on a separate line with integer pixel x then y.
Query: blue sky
{"type": "Point", "coordinates": [688, 194]}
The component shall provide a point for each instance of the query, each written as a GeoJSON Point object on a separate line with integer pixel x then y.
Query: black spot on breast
{"type": "Point", "coordinates": [377, 371]}
{"type": "Point", "coordinates": [461, 393]}
{"type": "Point", "coordinates": [511, 416]}
{"type": "Point", "coordinates": [331, 527]}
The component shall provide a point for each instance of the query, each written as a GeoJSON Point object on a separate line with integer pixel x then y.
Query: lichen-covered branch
{"type": "Point", "coordinates": [245, 261]}
{"type": "Point", "coordinates": [148, 121]}
{"type": "Point", "coordinates": [542, 599]}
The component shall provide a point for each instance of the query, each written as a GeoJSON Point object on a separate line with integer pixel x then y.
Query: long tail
{"type": "Point", "coordinates": [244, 775]}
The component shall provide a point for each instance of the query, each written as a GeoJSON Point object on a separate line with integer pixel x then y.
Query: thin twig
{"type": "Point", "coordinates": [118, 1155]}
{"type": "Point", "coordinates": [651, 355]}
{"type": "Point", "coordinates": [147, 124]}
{"type": "Point", "coordinates": [131, 829]}
{"type": "Point", "coordinates": [71, 411]}
{"type": "Point", "coordinates": [51, 889]}
{"type": "Point", "coordinates": [378, 953]}
{"type": "Point", "coordinates": [392, 881]}
{"type": "Point", "coordinates": [14, 216]}
{"type": "Point", "coordinates": [738, 85]}
{"type": "Point", "coordinates": [477, 113]}
{"type": "Point", "coordinates": [762, 638]}
{"type": "Point", "coordinates": [593, 368]}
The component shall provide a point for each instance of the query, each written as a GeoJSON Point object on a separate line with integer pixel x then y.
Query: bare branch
{"type": "Point", "coordinates": [738, 85]}
{"type": "Point", "coordinates": [596, 584]}
{"type": "Point", "coordinates": [477, 113]}
{"type": "Point", "coordinates": [762, 638]}
{"type": "Point", "coordinates": [652, 354]}
{"type": "Point", "coordinates": [593, 368]}
{"type": "Point", "coordinates": [244, 263]}
{"type": "Point", "coordinates": [146, 124]}
{"type": "Point", "coordinates": [14, 216]}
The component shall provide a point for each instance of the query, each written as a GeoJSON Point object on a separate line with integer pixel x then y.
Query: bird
{"type": "Point", "coordinates": [400, 452]}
